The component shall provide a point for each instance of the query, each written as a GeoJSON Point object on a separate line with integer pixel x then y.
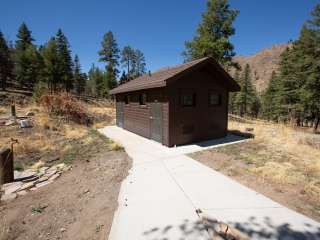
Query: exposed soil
{"type": "Point", "coordinates": [239, 161]}
{"type": "Point", "coordinates": [79, 205]}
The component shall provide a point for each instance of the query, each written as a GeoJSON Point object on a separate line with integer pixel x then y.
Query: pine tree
{"type": "Point", "coordinates": [6, 64]}
{"type": "Point", "coordinates": [51, 64]}
{"type": "Point", "coordinates": [139, 63]}
{"type": "Point", "coordinates": [110, 55]}
{"type": "Point", "coordinates": [127, 60]}
{"type": "Point", "coordinates": [79, 78]}
{"type": "Point", "coordinates": [247, 101]}
{"type": "Point", "coordinates": [270, 98]}
{"type": "Point", "coordinates": [212, 38]}
{"type": "Point", "coordinates": [123, 78]}
{"type": "Point", "coordinates": [27, 59]}
{"type": "Point", "coordinates": [24, 38]}
{"type": "Point", "coordinates": [65, 60]}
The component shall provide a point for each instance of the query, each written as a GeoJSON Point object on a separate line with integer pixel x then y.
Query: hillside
{"type": "Point", "coordinates": [262, 64]}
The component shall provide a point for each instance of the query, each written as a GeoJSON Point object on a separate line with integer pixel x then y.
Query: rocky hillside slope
{"type": "Point", "coordinates": [262, 64]}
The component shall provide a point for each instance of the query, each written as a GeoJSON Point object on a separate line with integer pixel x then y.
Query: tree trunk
{"type": "Point", "coordinates": [316, 124]}
{"type": "Point", "coordinates": [6, 166]}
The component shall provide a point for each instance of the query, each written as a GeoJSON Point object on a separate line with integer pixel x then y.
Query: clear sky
{"type": "Point", "coordinates": [158, 28]}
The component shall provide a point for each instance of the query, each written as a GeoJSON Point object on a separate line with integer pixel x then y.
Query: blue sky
{"type": "Point", "coordinates": [158, 28]}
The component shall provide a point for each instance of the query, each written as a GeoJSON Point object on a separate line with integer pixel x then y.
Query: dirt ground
{"type": "Point", "coordinates": [79, 205]}
{"type": "Point", "coordinates": [242, 163]}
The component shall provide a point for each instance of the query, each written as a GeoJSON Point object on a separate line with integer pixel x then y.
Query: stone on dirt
{"type": "Point", "coordinates": [54, 177]}
{"type": "Point", "coordinates": [19, 176]}
{"type": "Point", "coordinates": [39, 185]}
{"type": "Point", "coordinates": [7, 197]}
{"type": "Point", "coordinates": [42, 179]}
{"type": "Point", "coordinates": [26, 186]}
{"type": "Point", "coordinates": [25, 123]}
{"type": "Point", "coordinates": [10, 123]}
{"type": "Point", "coordinates": [11, 188]}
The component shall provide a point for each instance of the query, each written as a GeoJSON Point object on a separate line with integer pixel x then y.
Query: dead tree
{"type": "Point", "coordinates": [6, 166]}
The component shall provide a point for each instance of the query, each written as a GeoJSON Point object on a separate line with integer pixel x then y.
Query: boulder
{"type": "Point", "coordinates": [7, 197]}
{"type": "Point", "coordinates": [25, 123]}
{"type": "Point", "coordinates": [11, 187]}
{"type": "Point", "coordinates": [19, 176]}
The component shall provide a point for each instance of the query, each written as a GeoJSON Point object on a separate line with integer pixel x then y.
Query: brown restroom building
{"type": "Point", "coordinates": [177, 105]}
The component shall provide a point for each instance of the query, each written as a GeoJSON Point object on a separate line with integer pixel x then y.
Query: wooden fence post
{"type": "Point", "coordinates": [6, 166]}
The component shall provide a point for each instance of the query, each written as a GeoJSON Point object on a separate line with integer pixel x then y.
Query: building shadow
{"type": "Point", "coordinates": [232, 137]}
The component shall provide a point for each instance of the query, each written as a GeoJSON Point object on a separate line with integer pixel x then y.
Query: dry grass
{"type": "Point", "coordinates": [289, 156]}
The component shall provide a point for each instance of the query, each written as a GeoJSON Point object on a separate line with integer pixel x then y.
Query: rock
{"type": "Point", "coordinates": [25, 123]}
{"type": "Point", "coordinates": [19, 176]}
{"type": "Point", "coordinates": [62, 229]}
{"type": "Point", "coordinates": [10, 123]}
{"type": "Point", "coordinates": [61, 166]}
{"type": "Point", "coordinates": [42, 179]}
{"type": "Point", "coordinates": [53, 159]}
{"type": "Point", "coordinates": [26, 186]}
{"type": "Point", "coordinates": [50, 173]}
{"type": "Point", "coordinates": [33, 189]}
{"type": "Point", "coordinates": [31, 179]}
{"type": "Point", "coordinates": [12, 188]}
{"type": "Point", "coordinates": [54, 177]}
{"type": "Point", "coordinates": [30, 114]}
{"type": "Point", "coordinates": [22, 193]}
{"type": "Point", "coordinates": [67, 168]}
{"type": "Point", "coordinates": [7, 197]}
{"type": "Point", "coordinates": [39, 185]}
{"type": "Point", "coordinates": [86, 191]}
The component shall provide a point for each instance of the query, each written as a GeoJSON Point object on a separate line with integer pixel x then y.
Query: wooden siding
{"type": "Point", "coordinates": [137, 117]}
{"type": "Point", "coordinates": [201, 122]}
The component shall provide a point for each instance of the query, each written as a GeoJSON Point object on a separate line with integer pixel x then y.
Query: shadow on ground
{"type": "Point", "coordinates": [230, 138]}
{"type": "Point", "coordinates": [252, 229]}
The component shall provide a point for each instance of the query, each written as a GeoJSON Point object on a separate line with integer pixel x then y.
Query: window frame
{"type": "Point", "coordinates": [143, 98]}
{"type": "Point", "coordinates": [188, 92]}
{"type": "Point", "coordinates": [127, 99]}
{"type": "Point", "coordinates": [219, 98]}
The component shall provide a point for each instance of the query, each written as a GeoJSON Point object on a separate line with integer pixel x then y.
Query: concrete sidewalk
{"type": "Point", "coordinates": [159, 198]}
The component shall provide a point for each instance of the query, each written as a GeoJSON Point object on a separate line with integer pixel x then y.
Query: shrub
{"type": "Point", "coordinates": [40, 89]}
{"type": "Point", "coordinates": [67, 106]}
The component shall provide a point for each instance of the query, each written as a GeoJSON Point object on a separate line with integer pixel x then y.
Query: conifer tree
{"type": "Point", "coordinates": [270, 98]}
{"type": "Point", "coordinates": [6, 64]}
{"type": "Point", "coordinates": [213, 33]}
{"type": "Point", "coordinates": [233, 95]}
{"type": "Point", "coordinates": [123, 78]}
{"type": "Point", "coordinates": [127, 60]}
{"type": "Point", "coordinates": [79, 78]}
{"type": "Point", "coordinates": [110, 55]}
{"type": "Point", "coordinates": [51, 64]}
{"type": "Point", "coordinates": [247, 101]}
{"type": "Point", "coordinates": [65, 60]}
{"type": "Point", "coordinates": [139, 63]}
{"type": "Point", "coordinates": [27, 59]}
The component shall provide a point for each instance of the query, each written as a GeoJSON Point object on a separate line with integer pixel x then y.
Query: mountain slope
{"type": "Point", "coordinates": [262, 64]}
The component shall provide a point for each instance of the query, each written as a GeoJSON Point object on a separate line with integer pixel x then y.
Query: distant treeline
{"type": "Point", "coordinates": [293, 93]}
{"type": "Point", "coordinates": [51, 66]}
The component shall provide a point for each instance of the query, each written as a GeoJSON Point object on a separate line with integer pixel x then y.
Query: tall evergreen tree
{"type": "Point", "coordinates": [247, 100]}
{"type": "Point", "coordinates": [212, 38]}
{"type": "Point", "coordinates": [27, 58]}
{"type": "Point", "coordinates": [139, 63]}
{"type": "Point", "coordinates": [110, 55]}
{"type": "Point", "coordinates": [233, 95]}
{"type": "Point", "coordinates": [51, 64]}
{"type": "Point", "coordinates": [65, 60]}
{"type": "Point", "coordinates": [270, 98]}
{"type": "Point", "coordinates": [123, 78]}
{"type": "Point", "coordinates": [79, 78]}
{"type": "Point", "coordinates": [6, 64]}
{"type": "Point", "coordinates": [24, 38]}
{"type": "Point", "coordinates": [127, 60]}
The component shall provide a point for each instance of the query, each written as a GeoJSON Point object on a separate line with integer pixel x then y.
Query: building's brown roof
{"type": "Point", "coordinates": [160, 77]}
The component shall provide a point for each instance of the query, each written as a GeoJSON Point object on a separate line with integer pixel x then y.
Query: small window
{"type": "Point", "coordinates": [214, 99]}
{"type": "Point", "coordinates": [126, 99]}
{"type": "Point", "coordinates": [143, 99]}
{"type": "Point", "coordinates": [188, 100]}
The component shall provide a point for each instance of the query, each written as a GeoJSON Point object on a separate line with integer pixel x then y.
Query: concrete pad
{"type": "Point", "coordinates": [159, 198]}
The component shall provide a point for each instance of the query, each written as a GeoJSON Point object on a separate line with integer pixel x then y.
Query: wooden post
{"type": "Point", "coordinates": [13, 110]}
{"type": "Point", "coordinates": [6, 166]}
